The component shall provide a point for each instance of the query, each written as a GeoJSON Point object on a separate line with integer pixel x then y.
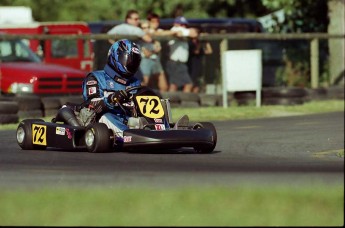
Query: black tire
{"type": "Point", "coordinates": [8, 107]}
{"type": "Point", "coordinates": [98, 138]}
{"type": "Point", "coordinates": [245, 98]}
{"type": "Point", "coordinates": [317, 94]}
{"type": "Point", "coordinates": [229, 98]}
{"type": "Point", "coordinates": [206, 149]}
{"type": "Point", "coordinates": [189, 100]}
{"type": "Point", "coordinates": [5, 98]}
{"type": "Point", "coordinates": [51, 103]}
{"type": "Point", "coordinates": [31, 102]}
{"type": "Point", "coordinates": [8, 118]}
{"type": "Point", "coordinates": [244, 95]}
{"type": "Point", "coordinates": [189, 104]}
{"type": "Point", "coordinates": [335, 92]}
{"type": "Point", "coordinates": [190, 97]}
{"type": "Point", "coordinates": [209, 100]}
{"type": "Point", "coordinates": [30, 113]}
{"type": "Point", "coordinates": [50, 112]}
{"type": "Point", "coordinates": [283, 101]}
{"type": "Point", "coordinates": [24, 135]}
{"type": "Point", "coordinates": [174, 97]}
{"type": "Point", "coordinates": [284, 92]}
{"type": "Point", "coordinates": [75, 99]}
{"type": "Point", "coordinates": [241, 102]}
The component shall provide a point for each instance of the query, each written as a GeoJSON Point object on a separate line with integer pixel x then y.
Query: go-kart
{"type": "Point", "coordinates": [150, 126]}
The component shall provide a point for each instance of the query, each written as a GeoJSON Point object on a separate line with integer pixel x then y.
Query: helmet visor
{"type": "Point", "coordinates": [130, 62]}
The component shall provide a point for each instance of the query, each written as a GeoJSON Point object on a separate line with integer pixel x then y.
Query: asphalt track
{"type": "Point", "coordinates": [294, 150]}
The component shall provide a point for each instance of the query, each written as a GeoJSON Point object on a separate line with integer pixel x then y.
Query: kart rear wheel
{"type": "Point", "coordinates": [24, 135]}
{"type": "Point", "coordinates": [97, 138]}
{"type": "Point", "coordinates": [209, 148]}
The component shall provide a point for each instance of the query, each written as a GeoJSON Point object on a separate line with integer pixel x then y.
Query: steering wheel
{"type": "Point", "coordinates": [128, 90]}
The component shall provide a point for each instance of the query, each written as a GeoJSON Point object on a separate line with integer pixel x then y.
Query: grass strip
{"type": "Point", "coordinates": [318, 205]}
{"type": "Point", "coordinates": [252, 112]}
{"type": "Point", "coordinates": [241, 112]}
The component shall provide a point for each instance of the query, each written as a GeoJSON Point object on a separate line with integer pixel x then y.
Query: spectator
{"type": "Point", "coordinates": [154, 22]}
{"type": "Point", "coordinates": [197, 50]}
{"type": "Point", "coordinates": [150, 65]}
{"type": "Point", "coordinates": [131, 28]}
{"type": "Point", "coordinates": [177, 68]}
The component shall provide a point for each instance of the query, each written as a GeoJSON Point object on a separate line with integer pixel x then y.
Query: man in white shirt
{"type": "Point", "coordinates": [177, 68]}
{"type": "Point", "coordinates": [131, 28]}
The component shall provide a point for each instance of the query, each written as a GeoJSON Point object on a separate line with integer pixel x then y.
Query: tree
{"type": "Point", "coordinates": [301, 16]}
{"type": "Point", "coordinates": [59, 10]}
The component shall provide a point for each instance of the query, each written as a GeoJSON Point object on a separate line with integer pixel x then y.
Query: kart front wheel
{"type": "Point", "coordinates": [209, 148]}
{"type": "Point", "coordinates": [97, 138]}
{"type": "Point", "coordinates": [24, 135]}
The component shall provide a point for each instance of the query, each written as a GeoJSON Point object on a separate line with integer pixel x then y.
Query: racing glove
{"type": "Point", "coordinates": [119, 96]}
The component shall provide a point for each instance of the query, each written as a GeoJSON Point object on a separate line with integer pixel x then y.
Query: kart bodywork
{"type": "Point", "coordinates": [150, 127]}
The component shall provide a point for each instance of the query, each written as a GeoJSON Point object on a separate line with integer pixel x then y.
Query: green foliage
{"type": "Point", "coordinates": [301, 15]}
{"type": "Point", "coordinates": [59, 10]}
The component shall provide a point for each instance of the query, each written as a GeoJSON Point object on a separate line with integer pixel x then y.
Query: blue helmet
{"type": "Point", "coordinates": [124, 58]}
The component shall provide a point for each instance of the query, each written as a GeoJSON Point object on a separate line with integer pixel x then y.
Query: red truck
{"type": "Point", "coordinates": [76, 53]}
{"type": "Point", "coordinates": [22, 71]}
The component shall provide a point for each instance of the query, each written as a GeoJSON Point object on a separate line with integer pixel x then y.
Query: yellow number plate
{"type": "Point", "coordinates": [39, 134]}
{"type": "Point", "coordinates": [150, 106]}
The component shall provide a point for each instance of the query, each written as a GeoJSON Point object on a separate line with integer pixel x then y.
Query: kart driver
{"type": "Point", "coordinates": [103, 88]}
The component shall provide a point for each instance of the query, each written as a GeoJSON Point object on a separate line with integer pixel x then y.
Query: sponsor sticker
{"type": "Point", "coordinates": [91, 82]}
{"type": "Point", "coordinates": [92, 90]}
{"type": "Point", "coordinates": [60, 131]}
{"type": "Point", "coordinates": [159, 127]}
{"type": "Point", "coordinates": [127, 139]}
{"type": "Point", "coordinates": [69, 133]}
{"type": "Point", "coordinates": [120, 80]}
{"type": "Point", "coordinates": [158, 120]}
{"type": "Point", "coordinates": [135, 50]}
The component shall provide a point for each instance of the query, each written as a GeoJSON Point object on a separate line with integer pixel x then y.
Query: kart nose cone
{"type": "Point", "coordinates": [89, 138]}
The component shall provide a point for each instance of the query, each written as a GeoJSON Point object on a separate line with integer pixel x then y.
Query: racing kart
{"type": "Point", "coordinates": [150, 127]}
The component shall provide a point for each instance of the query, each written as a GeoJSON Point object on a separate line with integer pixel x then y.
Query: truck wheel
{"type": "Point", "coordinates": [24, 135]}
{"type": "Point", "coordinates": [97, 138]}
{"type": "Point", "coordinates": [209, 148]}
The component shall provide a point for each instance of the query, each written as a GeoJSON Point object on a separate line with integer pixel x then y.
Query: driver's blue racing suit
{"type": "Point", "coordinates": [97, 86]}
